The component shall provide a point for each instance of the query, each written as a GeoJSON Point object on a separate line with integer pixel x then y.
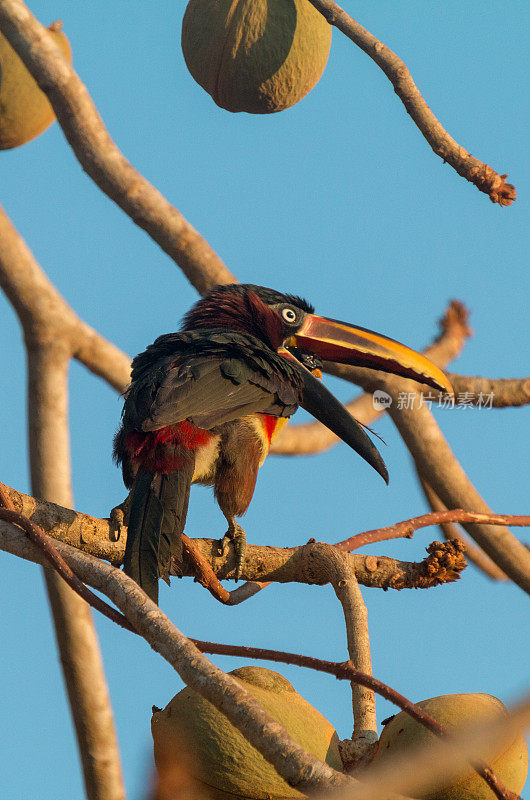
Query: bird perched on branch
{"type": "Point", "coordinates": [204, 404]}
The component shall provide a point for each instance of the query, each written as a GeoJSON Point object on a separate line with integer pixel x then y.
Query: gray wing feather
{"type": "Point", "coordinates": [208, 396]}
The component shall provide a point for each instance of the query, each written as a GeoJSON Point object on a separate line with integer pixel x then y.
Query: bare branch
{"type": "Point", "coordinates": [484, 177]}
{"type": "Point", "coordinates": [162, 636]}
{"type": "Point", "coordinates": [205, 575]}
{"type": "Point", "coordinates": [437, 464]}
{"type": "Point", "coordinates": [451, 531]}
{"type": "Point", "coordinates": [406, 529]}
{"type": "Point", "coordinates": [313, 437]}
{"type": "Point", "coordinates": [99, 156]}
{"type": "Point", "coordinates": [504, 392]}
{"type": "Point", "coordinates": [203, 570]}
{"type": "Point", "coordinates": [53, 333]}
{"type": "Point", "coordinates": [46, 316]}
{"type": "Point", "coordinates": [102, 539]}
{"type": "Point", "coordinates": [74, 627]}
{"type": "Point", "coordinates": [298, 768]}
{"type": "Point", "coordinates": [346, 587]}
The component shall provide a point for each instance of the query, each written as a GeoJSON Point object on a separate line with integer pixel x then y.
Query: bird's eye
{"type": "Point", "coordinates": [289, 315]}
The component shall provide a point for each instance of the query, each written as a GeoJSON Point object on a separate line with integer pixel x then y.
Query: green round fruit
{"type": "Point", "coordinates": [24, 109]}
{"type": "Point", "coordinates": [258, 56]}
{"type": "Point", "coordinates": [226, 765]}
{"type": "Point", "coordinates": [453, 711]}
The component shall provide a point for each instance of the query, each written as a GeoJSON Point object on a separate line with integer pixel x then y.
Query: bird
{"type": "Point", "coordinates": [205, 402]}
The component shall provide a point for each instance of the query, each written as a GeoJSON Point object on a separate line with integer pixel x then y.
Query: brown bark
{"type": "Point", "coordinates": [100, 538]}
{"type": "Point", "coordinates": [437, 464]}
{"type": "Point", "coordinates": [76, 636]}
{"type": "Point", "coordinates": [451, 530]}
{"type": "Point", "coordinates": [504, 392]}
{"type": "Point", "coordinates": [484, 177]}
{"type": "Point", "coordinates": [99, 156]}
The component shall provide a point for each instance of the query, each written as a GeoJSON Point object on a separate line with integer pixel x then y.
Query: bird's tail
{"type": "Point", "coordinates": [157, 515]}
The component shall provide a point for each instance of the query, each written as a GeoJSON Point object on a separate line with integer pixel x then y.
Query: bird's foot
{"type": "Point", "coordinates": [238, 537]}
{"type": "Point", "coordinates": [118, 517]}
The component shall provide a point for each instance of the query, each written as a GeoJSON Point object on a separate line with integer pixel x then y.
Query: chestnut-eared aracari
{"type": "Point", "coordinates": [204, 403]}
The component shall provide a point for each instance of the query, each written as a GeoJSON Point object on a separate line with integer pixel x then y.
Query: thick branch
{"type": "Point", "coordinates": [484, 177]}
{"type": "Point", "coordinates": [337, 564]}
{"type": "Point", "coordinates": [102, 539]}
{"type": "Point", "coordinates": [298, 768]}
{"type": "Point", "coordinates": [99, 156]}
{"type": "Point", "coordinates": [494, 392]}
{"type": "Point", "coordinates": [74, 627]}
{"type": "Point", "coordinates": [313, 437]}
{"type": "Point", "coordinates": [46, 316]}
{"type": "Point", "coordinates": [346, 587]}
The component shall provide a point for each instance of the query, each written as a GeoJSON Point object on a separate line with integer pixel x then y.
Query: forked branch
{"type": "Point", "coordinates": [100, 157]}
{"type": "Point", "coordinates": [140, 615]}
{"type": "Point", "coordinates": [103, 539]}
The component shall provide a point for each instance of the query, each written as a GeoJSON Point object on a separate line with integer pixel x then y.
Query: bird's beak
{"type": "Point", "coordinates": [330, 412]}
{"type": "Point", "coordinates": [333, 340]}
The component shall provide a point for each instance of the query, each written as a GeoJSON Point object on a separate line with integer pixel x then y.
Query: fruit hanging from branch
{"type": "Point", "coordinates": [25, 111]}
{"type": "Point", "coordinates": [258, 56]}
{"type": "Point", "coordinates": [403, 734]}
{"type": "Point", "coordinates": [190, 731]}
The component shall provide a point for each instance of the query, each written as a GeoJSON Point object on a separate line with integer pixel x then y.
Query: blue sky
{"type": "Point", "coordinates": [339, 199]}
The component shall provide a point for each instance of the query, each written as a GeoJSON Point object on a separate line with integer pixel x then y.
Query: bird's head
{"type": "Point", "coordinates": [287, 324]}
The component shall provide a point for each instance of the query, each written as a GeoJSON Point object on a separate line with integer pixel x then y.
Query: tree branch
{"type": "Point", "coordinates": [406, 529]}
{"type": "Point", "coordinates": [205, 575]}
{"type": "Point", "coordinates": [298, 768]}
{"type": "Point", "coordinates": [484, 177]}
{"type": "Point", "coordinates": [267, 746]}
{"type": "Point", "coordinates": [99, 156]}
{"type": "Point", "coordinates": [53, 333]}
{"type": "Point", "coordinates": [46, 316]}
{"type": "Point", "coordinates": [342, 576]}
{"type": "Point", "coordinates": [451, 531]}
{"type": "Point", "coordinates": [103, 539]}
{"type": "Point", "coordinates": [437, 464]}
{"type": "Point", "coordinates": [74, 627]}
{"type": "Point", "coordinates": [504, 392]}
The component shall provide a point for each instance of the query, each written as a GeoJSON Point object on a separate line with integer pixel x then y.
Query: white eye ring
{"type": "Point", "coordinates": [289, 315]}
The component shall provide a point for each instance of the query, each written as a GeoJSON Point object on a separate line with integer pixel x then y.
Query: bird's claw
{"type": "Point", "coordinates": [118, 518]}
{"type": "Point", "coordinates": [238, 537]}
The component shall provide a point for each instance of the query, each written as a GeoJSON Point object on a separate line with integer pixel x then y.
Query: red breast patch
{"type": "Point", "coordinates": [159, 450]}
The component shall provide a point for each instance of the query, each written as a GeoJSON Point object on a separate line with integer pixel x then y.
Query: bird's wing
{"type": "Point", "coordinates": [212, 390]}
